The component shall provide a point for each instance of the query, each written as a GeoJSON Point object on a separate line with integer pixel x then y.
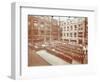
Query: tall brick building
{"type": "Point", "coordinates": [43, 29]}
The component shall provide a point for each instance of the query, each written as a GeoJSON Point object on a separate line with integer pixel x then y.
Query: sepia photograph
{"type": "Point", "coordinates": [57, 40]}
{"type": "Point", "coordinates": [52, 41]}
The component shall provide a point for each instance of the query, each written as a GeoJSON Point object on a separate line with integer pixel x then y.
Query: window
{"type": "Point", "coordinates": [80, 41]}
{"type": "Point", "coordinates": [67, 28]}
{"type": "Point", "coordinates": [75, 34]}
{"type": "Point", "coordinates": [80, 34]}
{"type": "Point", "coordinates": [75, 27]}
{"type": "Point", "coordinates": [64, 28]}
{"type": "Point", "coordinates": [70, 34]}
{"type": "Point", "coordinates": [81, 28]}
{"type": "Point", "coordinates": [64, 34]}
{"type": "Point", "coordinates": [79, 25]}
{"type": "Point", "coordinates": [64, 23]}
{"type": "Point", "coordinates": [71, 28]}
{"type": "Point", "coordinates": [67, 34]}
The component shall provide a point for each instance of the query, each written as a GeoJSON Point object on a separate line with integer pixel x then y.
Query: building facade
{"type": "Point", "coordinates": [74, 30]}
{"type": "Point", "coordinates": [42, 29]}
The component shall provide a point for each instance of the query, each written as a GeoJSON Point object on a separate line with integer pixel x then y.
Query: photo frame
{"type": "Point", "coordinates": [24, 19]}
